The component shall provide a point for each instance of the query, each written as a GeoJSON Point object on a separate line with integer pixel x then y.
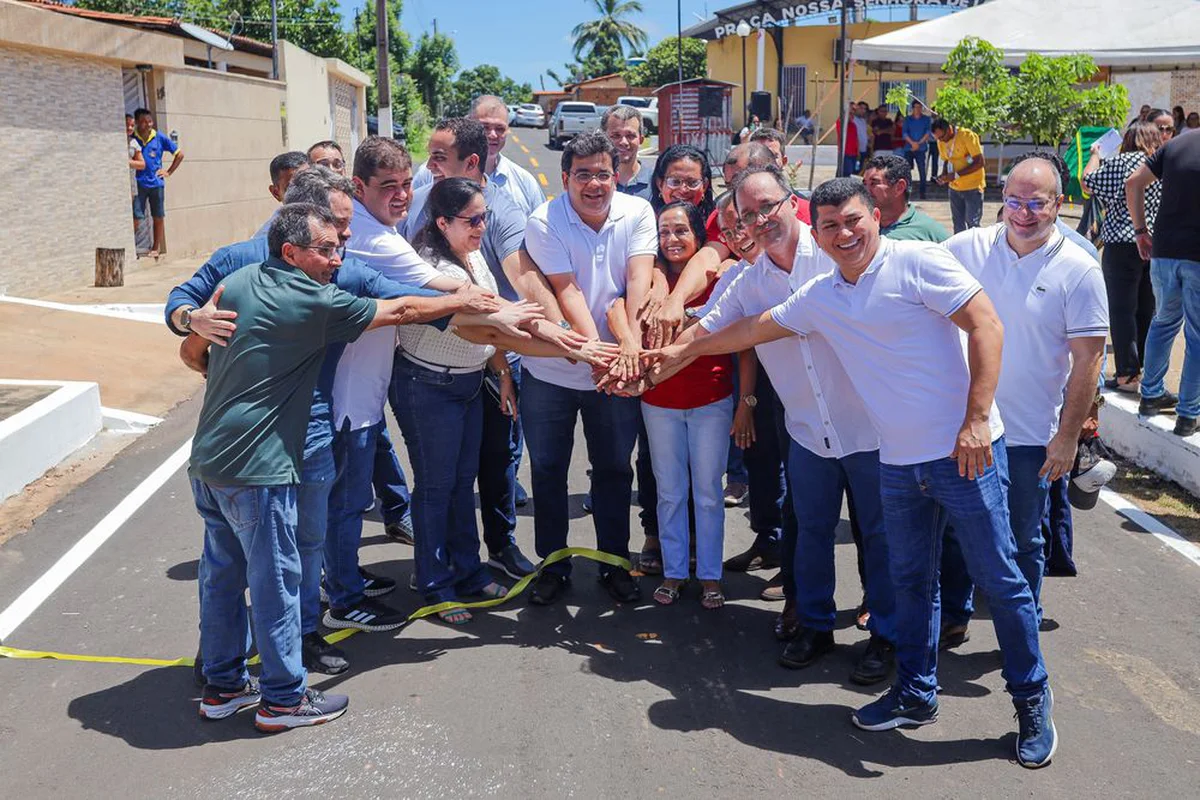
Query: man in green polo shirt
{"type": "Point", "coordinates": [889, 180]}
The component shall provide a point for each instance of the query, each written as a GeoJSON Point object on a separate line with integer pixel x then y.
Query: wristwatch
{"type": "Point", "coordinates": [1141, 231]}
{"type": "Point", "coordinates": [750, 400]}
{"type": "Point", "coordinates": [185, 318]}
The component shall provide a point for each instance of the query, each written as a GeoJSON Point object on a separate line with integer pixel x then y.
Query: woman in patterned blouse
{"type": "Point", "coordinates": [1126, 274]}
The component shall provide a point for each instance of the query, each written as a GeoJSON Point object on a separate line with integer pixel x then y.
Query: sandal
{"type": "Point", "coordinates": [493, 591]}
{"type": "Point", "coordinates": [665, 595]}
{"type": "Point", "coordinates": [862, 616]}
{"type": "Point", "coordinates": [1130, 384]}
{"type": "Point", "coordinates": [712, 599]}
{"type": "Point", "coordinates": [650, 562]}
{"type": "Point", "coordinates": [455, 616]}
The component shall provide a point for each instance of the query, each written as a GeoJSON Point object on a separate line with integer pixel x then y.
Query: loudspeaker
{"type": "Point", "coordinates": [760, 106]}
{"type": "Point", "coordinates": [712, 101]}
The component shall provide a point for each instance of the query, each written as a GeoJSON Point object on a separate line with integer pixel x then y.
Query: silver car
{"type": "Point", "coordinates": [529, 115]}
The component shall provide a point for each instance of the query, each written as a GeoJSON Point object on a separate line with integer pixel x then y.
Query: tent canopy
{"type": "Point", "coordinates": [1125, 36]}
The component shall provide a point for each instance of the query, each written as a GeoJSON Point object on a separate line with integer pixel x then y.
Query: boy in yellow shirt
{"type": "Point", "coordinates": [963, 156]}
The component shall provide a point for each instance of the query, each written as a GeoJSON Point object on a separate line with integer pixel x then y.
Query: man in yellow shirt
{"type": "Point", "coordinates": [963, 156]}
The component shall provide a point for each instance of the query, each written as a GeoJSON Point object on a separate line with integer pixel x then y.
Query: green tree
{"type": "Point", "coordinates": [1049, 104]}
{"type": "Point", "coordinates": [601, 43]}
{"type": "Point", "coordinates": [432, 65]}
{"type": "Point", "coordinates": [485, 79]}
{"type": "Point", "coordinates": [662, 63]}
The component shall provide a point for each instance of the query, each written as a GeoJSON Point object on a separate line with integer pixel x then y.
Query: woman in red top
{"type": "Point", "coordinates": [688, 417]}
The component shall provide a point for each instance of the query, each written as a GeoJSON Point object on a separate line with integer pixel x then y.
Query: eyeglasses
{"type": "Point", "coordinates": [325, 251]}
{"type": "Point", "coordinates": [475, 220]}
{"type": "Point", "coordinates": [335, 164]}
{"type": "Point", "coordinates": [585, 177]}
{"type": "Point", "coordinates": [751, 218]}
{"type": "Point", "coordinates": [683, 183]}
{"type": "Point", "coordinates": [1032, 206]}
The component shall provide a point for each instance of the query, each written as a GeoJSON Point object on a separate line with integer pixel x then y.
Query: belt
{"type": "Point", "coordinates": [440, 367]}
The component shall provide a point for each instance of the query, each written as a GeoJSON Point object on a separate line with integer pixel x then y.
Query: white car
{"type": "Point", "coordinates": [529, 115]}
{"type": "Point", "coordinates": [512, 115]}
{"type": "Point", "coordinates": [648, 106]}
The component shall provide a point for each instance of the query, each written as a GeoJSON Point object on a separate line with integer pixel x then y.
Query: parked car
{"type": "Point", "coordinates": [529, 115]}
{"type": "Point", "coordinates": [569, 120]}
{"type": "Point", "coordinates": [397, 129]}
{"type": "Point", "coordinates": [512, 115]}
{"type": "Point", "coordinates": [647, 106]}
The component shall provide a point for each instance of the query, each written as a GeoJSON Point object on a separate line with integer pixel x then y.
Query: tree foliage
{"type": "Point", "coordinates": [979, 93]}
{"type": "Point", "coordinates": [432, 67]}
{"type": "Point", "coordinates": [600, 44]}
{"type": "Point", "coordinates": [662, 63]}
{"type": "Point", "coordinates": [1049, 104]}
{"type": "Point", "coordinates": [485, 79]}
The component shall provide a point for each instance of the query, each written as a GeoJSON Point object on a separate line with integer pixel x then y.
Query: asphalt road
{"type": "Point", "coordinates": [581, 699]}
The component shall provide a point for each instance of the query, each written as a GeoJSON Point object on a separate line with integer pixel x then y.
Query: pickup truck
{"type": "Point", "coordinates": [648, 106]}
{"type": "Point", "coordinates": [571, 118]}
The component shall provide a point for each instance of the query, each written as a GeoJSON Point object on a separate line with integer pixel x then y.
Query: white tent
{"type": "Point", "coordinates": [1125, 35]}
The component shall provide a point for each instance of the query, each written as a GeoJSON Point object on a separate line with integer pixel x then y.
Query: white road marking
{"type": "Point", "coordinates": [56, 576]}
{"type": "Point", "coordinates": [1152, 526]}
{"type": "Point", "coordinates": [136, 313]}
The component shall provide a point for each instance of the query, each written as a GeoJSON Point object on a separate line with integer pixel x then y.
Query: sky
{"type": "Point", "coordinates": [526, 37]}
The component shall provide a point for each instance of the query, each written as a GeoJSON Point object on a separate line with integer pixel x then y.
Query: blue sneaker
{"type": "Point", "coordinates": [1037, 738]}
{"type": "Point", "coordinates": [893, 710]}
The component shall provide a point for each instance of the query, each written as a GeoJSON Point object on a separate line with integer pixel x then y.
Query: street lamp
{"type": "Point", "coordinates": [743, 30]}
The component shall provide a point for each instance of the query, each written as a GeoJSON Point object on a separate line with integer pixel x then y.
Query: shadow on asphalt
{"type": "Point", "coordinates": [719, 668]}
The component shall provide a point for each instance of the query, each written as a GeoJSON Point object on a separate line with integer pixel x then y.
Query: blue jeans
{"type": "Point", "coordinates": [312, 510]}
{"type": "Point", "coordinates": [1028, 502]}
{"type": "Point", "coordinates": [1058, 532]}
{"type": "Point", "coordinates": [1176, 303]}
{"type": "Point", "coordinates": [817, 487]}
{"type": "Point", "coordinates": [610, 427]}
{"type": "Point", "coordinates": [918, 501]}
{"type": "Point", "coordinates": [499, 459]}
{"type": "Point", "coordinates": [689, 447]}
{"type": "Point", "coordinates": [917, 158]}
{"type": "Point", "coordinates": [765, 465]}
{"type": "Point", "coordinates": [250, 542]}
{"type": "Point", "coordinates": [735, 467]}
{"type": "Point", "coordinates": [390, 486]}
{"type": "Point", "coordinates": [354, 454]}
{"type": "Point", "coordinates": [849, 165]}
{"type": "Point", "coordinates": [441, 417]}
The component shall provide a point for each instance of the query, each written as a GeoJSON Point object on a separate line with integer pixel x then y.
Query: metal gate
{"type": "Point", "coordinates": [792, 94]}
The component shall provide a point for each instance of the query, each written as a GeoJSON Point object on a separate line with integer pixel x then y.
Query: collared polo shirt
{"type": "Point", "coordinates": [822, 411]}
{"type": "Point", "coordinates": [153, 147]}
{"type": "Point", "coordinates": [893, 335]}
{"type": "Point", "coordinates": [561, 243]}
{"type": "Point", "coordinates": [915, 225]}
{"type": "Point", "coordinates": [518, 183]}
{"type": "Point", "coordinates": [640, 185]}
{"type": "Point", "coordinates": [1045, 299]}
{"type": "Point", "coordinates": [723, 283]}
{"type": "Point", "coordinates": [361, 383]}
{"type": "Point", "coordinates": [960, 151]}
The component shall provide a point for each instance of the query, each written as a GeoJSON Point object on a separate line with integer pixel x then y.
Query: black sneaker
{"type": "Point", "coordinates": [876, 663]}
{"type": "Point", "coordinates": [218, 703]}
{"type": "Point", "coordinates": [319, 655]}
{"type": "Point", "coordinates": [1156, 405]}
{"type": "Point", "coordinates": [512, 562]}
{"type": "Point", "coordinates": [1185, 426]}
{"type": "Point", "coordinates": [198, 668]}
{"type": "Point", "coordinates": [376, 585]}
{"type": "Point", "coordinates": [547, 588]}
{"type": "Point", "coordinates": [401, 531]}
{"type": "Point", "coordinates": [314, 709]}
{"type": "Point", "coordinates": [621, 586]}
{"type": "Point", "coordinates": [368, 615]}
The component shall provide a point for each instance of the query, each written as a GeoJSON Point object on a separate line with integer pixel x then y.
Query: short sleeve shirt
{"type": "Point", "coordinates": [517, 182]}
{"type": "Point", "coordinates": [960, 152]}
{"type": "Point", "coordinates": [561, 243]}
{"type": "Point", "coordinates": [915, 225]}
{"type": "Point", "coordinates": [892, 333]}
{"type": "Point", "coordinates": [640, 185]}
{"type": "Point", "coordinates": [1177, 228]}
{"type": "Point", "coordinates": [1107, 184]}
{"type": "Point", "coordinates": [259, 394]}
{"type": "Point", "coordinates": [916, 128]}
{"type": "Point", "coordinates": [1044, 299]}
{"type": "Point", "coordinates": [152, 150]}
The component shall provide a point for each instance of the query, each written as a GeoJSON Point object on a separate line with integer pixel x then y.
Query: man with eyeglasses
{"type": "Point", "coordinates": [894, 313]}
{"type": "Point", "coordinates": [1050, 296]}
{"type": "Point", "coordinates": [593, 244]}
{"type": "Point", "coordinates": [623, 126]}
{"type": "Point", "coordinates": [328, 153]}
{"type": "Point", "coordinates": [965, 173]}
{"type": "Point", "coordinates": [829, 444]}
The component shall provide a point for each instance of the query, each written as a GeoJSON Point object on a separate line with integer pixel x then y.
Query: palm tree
{"type": "Point", "coordinates": [608, 36]}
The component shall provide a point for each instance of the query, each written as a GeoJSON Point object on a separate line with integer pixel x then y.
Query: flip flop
{"type": "Point", "coordinates": [712, 599]}
{"type": "Point", "coordinates": [666, 595]}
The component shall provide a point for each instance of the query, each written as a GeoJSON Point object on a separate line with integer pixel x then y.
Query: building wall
{"type": "Point", "coordinates": [810, 46]}
{"type": "Point", "coordinates": [307, 80]}
{"type": "Point", "coordinates": [63, 128]}
{"type": "Point", "coordinates": [230, 127]}
{"type": "Point", "coordinates": [1153, 88]}
{"type": "Point", "coordinates": [1185, 90]}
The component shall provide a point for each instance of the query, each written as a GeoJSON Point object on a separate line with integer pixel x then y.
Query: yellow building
{"type": "Point", "coordinates": [807, 75]}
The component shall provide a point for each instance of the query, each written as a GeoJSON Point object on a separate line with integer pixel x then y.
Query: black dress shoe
{"type": "Point", "coordinates": [621, 586]}
{"type": "Point", "coordinates": [319, 655]}
{"type": "Point", "coordinates": [1185, 426]}
{"type": "Point", "coordinates": [547, 588]}
{"type": "Point", "coordinates": [786, 624]}
{"type": "Point", "coordinates": [742, 561]}
{"type": "Point", "coordinates": [807, 647]}
{"type": "Point", "coordinates": [876, 663]}
{"type": "Point", "coordinates": [1149, 406]}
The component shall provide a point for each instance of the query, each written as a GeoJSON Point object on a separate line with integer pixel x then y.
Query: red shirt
{"type": "Point", "coordinates": [706, 380]}
{"type": "Point", "coordinates": [713, 229]}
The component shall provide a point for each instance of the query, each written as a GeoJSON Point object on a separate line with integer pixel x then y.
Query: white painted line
{"type": "Point", "coordinates": [114, 311]}
{"type": "Point", "coordinates": [117, 420]}
{"type": "Point", "coordinates": [35, 595]}
{"type": "Point", "coordinates": [1152, 526]}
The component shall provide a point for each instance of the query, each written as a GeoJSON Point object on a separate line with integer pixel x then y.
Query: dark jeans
{"type": "Point", "coordinates": [609, 428]}
{"type": "Point", "coordinates": [1130, 304]}
{"type": "Point", "coordinates": [789, 529]}
{"type": "Point", "coordinates": [849, 165]}
{"type": "Point", "coordinates": [441, 417]}
{"type": "Point", "coordinates": [1058, 533]}
{"type": "Point", "coordinates": [499, 458]}
{"type": "Point", "coordinates": [764, 464]}
{"type": "Point", "coordinates": [647, 493]}
{"type": "Point", "coordinates": [933, 159]}
{"type": "Point", "coordinates": [917, 159]}
{"type": "Point", "coordinates": [388, 480]}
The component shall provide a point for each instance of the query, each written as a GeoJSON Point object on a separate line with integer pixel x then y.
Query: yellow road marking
{"type": "Point", "coordinates": [542, 179]}
{"type": "Point", "coordinates": [516, 138]}
{"type": "Point", "coordinates": [533, 161]}
{"type": "Point", "coordinates": [524, 149]}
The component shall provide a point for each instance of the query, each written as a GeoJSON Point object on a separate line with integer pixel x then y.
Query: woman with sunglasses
{"type": "Point", "coordinates": [436, 393]}
{"type": "Point", "coordinates": [682, 174]}
{"type": "Point", "coordinates": [688, 417]}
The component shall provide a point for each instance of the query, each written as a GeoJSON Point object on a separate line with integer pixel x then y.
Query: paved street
{"type": "Point", "coordinates": [581, 699]}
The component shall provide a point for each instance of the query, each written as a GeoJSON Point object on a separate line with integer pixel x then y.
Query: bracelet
{"type": "Point", "coordinates": [500, 373]}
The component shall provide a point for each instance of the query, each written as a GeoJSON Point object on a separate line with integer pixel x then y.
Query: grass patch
{"type": "Point", "coordinates": [1167, 500]}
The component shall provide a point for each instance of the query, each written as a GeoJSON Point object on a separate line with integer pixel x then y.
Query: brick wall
{"type": "Point", "coordinates": [1185, 89]}
{"type": "Point", "coordinates": [63, 128]}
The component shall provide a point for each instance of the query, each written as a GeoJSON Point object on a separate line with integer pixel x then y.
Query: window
{"type": "Point", "coordinates": [792, 93]}
{"type": "Point", "coordinates": [918, 88]}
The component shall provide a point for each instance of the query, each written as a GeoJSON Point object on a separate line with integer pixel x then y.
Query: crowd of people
{"type": "Point", "coordinates": [843, 347]}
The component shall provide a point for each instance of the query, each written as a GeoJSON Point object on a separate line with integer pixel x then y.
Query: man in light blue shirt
{"type": "Point", "coordinates": [917, 132]}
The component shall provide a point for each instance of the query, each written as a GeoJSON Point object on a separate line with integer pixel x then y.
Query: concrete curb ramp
{"type": "Point", "coordinates": [1149, 440]}
{"type": "Point", "coordinates": [41, 435]}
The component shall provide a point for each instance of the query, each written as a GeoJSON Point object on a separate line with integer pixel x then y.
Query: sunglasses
{"type": "Point", "coordinates": [1033, 206]}
{"type": "Point", "coordinates": [475, 220]}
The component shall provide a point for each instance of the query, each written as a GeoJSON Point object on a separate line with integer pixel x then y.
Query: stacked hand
{"type": "Point", "coordinates": [477, 301]}
{"type": "Point", "coordinates": [517, 319]}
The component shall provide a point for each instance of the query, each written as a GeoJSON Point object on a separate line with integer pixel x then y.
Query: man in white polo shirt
{"type": "Point", "coordinates": [892, 312]}
{"type": "Point", "coordinates": [833, 446]}
{"type": "Point", "coordinates": [594, 245]}
{"type": "Point", "coordinates": [1050, 296]}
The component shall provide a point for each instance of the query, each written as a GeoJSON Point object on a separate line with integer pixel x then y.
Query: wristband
{"type": "Point", "coordinates": [1141, 231]}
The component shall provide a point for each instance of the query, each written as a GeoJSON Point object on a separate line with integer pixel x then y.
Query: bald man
{"type": "Point", "coordinates": [1050, 296]}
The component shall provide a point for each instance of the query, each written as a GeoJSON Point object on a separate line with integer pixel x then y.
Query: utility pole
{"type": "Point", "coordinates": [841, 145]}
{"type": "Point", "coordinates": [383, 78]}
{"type": "Point", "coordinates": [679, 65]}
{"type": "Point", "coordinates": [274, 40]}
